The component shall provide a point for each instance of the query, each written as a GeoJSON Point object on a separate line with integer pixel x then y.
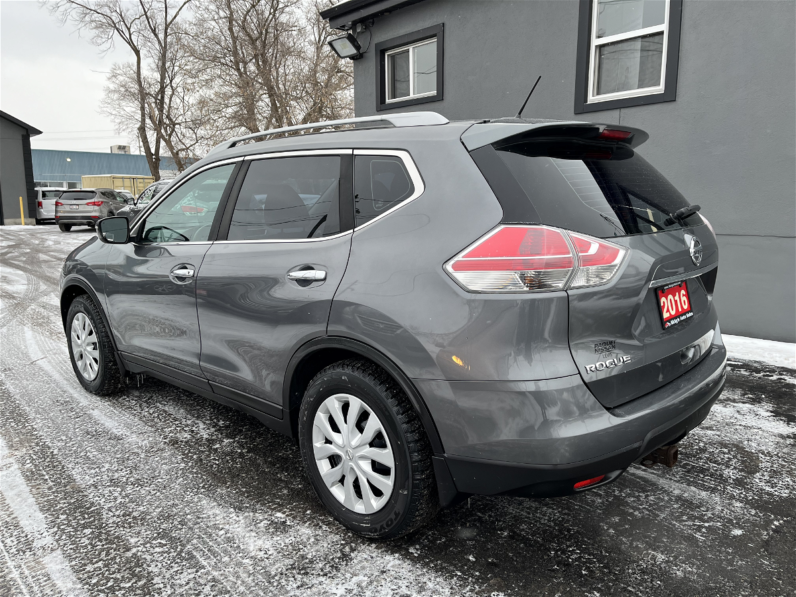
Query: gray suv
{"type": "Point", "coordinates": [432, 309]}
{"type": "Point", "coordinates": [85, 207]}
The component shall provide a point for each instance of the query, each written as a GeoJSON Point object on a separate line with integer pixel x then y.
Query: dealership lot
{"type": "Point", "coordinates": [158, 491]}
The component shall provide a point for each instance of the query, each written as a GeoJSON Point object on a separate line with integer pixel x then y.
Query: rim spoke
{"type": "Point", "coordinates": [369, 500]}
{"type": "Point", "coordinates": [380, 455]}
{"type": "Point", "coordinates": [351, 498]}
{"type": "Point", "coordinates": [322, 423]}
{"type": "Point", "coordinates": [323, 451]}
{"type": "Point", "coordinates": [332, 476]}
{"type": "Point", "coordinates": [371, 429]}
{"type": "Point", "coordinates": [93, 352]}
{"type": "Point", "coordinates": [336, 410]}
{"type": "Point", "coordinates": [381, 482]}
{"type": "Point", "coordinates": [354, 410]}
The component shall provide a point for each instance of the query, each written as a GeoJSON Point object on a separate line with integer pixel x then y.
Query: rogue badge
{"type": "Point", "coordinates": [609, 364]}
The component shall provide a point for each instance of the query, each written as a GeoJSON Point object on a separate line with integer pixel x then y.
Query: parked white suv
{"type": "Point", "coordinates": [45, 203]}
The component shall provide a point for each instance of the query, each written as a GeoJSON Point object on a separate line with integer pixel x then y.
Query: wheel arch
{"type": "Point", "coordinates": [75, 287]}
{"type": "Point", "coordinates": [316, 354]}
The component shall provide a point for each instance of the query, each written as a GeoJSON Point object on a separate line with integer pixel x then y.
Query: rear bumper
{"type": "Point", "coordinates": [85, 220]}
{"type": "Point", "coordinates": [541, 441]}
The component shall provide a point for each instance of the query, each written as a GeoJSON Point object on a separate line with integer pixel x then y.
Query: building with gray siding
{"type": "Point", "coordinates": [16, 171]}
{"type": "Point", "coordinates": [712, 82]}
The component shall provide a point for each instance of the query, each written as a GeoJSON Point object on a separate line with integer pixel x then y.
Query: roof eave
{"type": "Point", "coordinates": [347, 14]}
{"type": "Point", "coordinates": [32, 130]}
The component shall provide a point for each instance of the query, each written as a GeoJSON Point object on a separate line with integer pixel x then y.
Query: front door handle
{"type": "Point", "coordinates": [307, 275]}
{"type": "Point", "coordinates": [182, 274]}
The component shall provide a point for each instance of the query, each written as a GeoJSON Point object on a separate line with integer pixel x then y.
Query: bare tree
{"type": "Point", "coordinates": [265, 64]}
{"type": "Point", "coordinates": [147, 28]}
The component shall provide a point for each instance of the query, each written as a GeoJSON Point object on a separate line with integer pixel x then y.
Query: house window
{"type": "Point", "coordinates": [409, 69]}
{"type": "Point", "coordinates": [628, 53]}
{"type": "Point", "coordinates": [412, 71]}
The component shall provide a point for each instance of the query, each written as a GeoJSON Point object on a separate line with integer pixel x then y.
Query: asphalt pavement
{"type": "Point", "coordinates": [157, 491]}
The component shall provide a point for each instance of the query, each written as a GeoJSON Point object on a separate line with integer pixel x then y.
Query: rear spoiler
{"type": "Point", "coordinates": [487, 133]}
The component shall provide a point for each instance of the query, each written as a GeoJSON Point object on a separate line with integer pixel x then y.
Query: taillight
{"type": "Point", "coordinates": [58, 204]}
{"type": "Point", "coordinates": [515, 258]}
{"type": "Point", "coordinates": [39, 205]}
{"type": "Point", "coordinates": [614, 135]}
{"type": "Point", "coordinates": [534, 259]}
{"type": "Point", "coordinates": [597, 260]}
{"type": "Point", "coordinates": [95, 203]}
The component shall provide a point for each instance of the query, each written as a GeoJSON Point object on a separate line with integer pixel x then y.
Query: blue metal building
{"type": "Point", "coordinates": [58, 168]}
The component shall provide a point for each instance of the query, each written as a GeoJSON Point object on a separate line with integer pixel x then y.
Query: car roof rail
{"type": "Point", "coordinates": [396, 120]}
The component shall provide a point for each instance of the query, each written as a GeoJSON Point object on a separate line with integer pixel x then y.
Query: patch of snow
{"type": "Point", "coordinates": [779, 354]}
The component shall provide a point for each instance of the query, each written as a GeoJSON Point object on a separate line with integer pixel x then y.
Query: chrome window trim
{"type": "Point", "coordinates": [283, 240]}
{"type": "Point", "coordinates": [686, 276]}
{"type": "Point", "coordinates": [154, 204]}
{"type": "Point", "coordinates": [411, 168]}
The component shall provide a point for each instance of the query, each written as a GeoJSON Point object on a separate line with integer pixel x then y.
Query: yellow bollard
{"type": "Point", "coordinates": [21, 211]}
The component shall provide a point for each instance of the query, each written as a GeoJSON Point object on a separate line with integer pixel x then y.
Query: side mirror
{"type": "Point", "coordinates": [114, 231]}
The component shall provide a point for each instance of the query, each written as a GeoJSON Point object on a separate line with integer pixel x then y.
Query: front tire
{"type": "Point", "coordinates": [64, 227]}
{"type": "Point", "coordinates": [90, 348]}
{"type": "Point", "coordinates": [365, 451]}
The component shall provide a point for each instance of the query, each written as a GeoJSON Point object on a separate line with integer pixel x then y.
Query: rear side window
{"type": "Point", "coordinates": [51, 194]}
{"type": "Point", "coordinates": [380, 183]}
{"type": "Point", "coordinates": [598, 189]}
{"type": "Point", "coordinates": [78, 195]}
{"type": "Point", "coordinates": [288, 198]}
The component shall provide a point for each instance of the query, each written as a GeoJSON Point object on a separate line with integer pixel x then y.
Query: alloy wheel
{"type": "Point", "coordinates": [85, 347]}
{"type": "Point", "coordinates": [353, 453]}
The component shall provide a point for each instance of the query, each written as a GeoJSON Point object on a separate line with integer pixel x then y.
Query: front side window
{"type": "Point", "coordinates": [409, 69]}
{"type": "Point", "coordinates": [187, 214]}
{"type": "Point", "coordinates": [288, 199]}
{"type": "Point", "coordinates": [380, 183]}
{"type": "Point", "coordinates": [630, 54]}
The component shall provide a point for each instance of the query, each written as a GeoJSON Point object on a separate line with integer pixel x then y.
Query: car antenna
{"type": "Point", "coordinates": [519, 114]}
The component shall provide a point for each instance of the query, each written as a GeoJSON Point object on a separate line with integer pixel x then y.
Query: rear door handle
{"type": "Point", "coordinates": [308, 275]}
{"type": "Point", "coordinates": [183, 273]}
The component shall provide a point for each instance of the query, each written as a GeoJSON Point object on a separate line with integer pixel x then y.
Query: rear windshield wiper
{"type": "Point", "coordinates": [681, 214]}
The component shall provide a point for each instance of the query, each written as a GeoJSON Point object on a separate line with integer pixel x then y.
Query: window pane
{"type": "Point", "coordinates": [187, 214]}
{"type": "Point", "coordinates": [629, 64]}
{"type": "Point", "coordinates": [621, 16]}
{"type": "Point", "coordinates": [425, 68]}
{"type": "Point", "coordinates": [380, 183]}
{"type": "Point", "coordinates": [399, 75]}
{"type": "Point", "coordinates": [288, 198]}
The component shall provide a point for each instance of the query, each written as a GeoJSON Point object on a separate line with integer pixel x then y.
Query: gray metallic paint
{"type": "Point", "coordinates": [513, 392]}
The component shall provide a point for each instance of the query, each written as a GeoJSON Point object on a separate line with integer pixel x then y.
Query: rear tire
{"type": "Point", "coordinates": [404, 496]}
{"type": "Point", "coordinates": [64, 227]}
{"type": "Point", "coordinates": [90, 348]}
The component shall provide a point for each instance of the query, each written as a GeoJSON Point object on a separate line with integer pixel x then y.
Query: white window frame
{"type": "Point", "coordinates": [388, 72]}
{"type": "Point", "coordinates": [596, 42]}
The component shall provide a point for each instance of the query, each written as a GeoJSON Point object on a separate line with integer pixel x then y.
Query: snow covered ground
{"type": "Point", "coordinates": [159, 491]}
{"type": "Point", "coordinates": [779, 354]}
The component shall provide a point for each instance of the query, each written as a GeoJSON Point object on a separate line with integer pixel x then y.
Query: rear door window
{"type": "Point", "coordinates": [288, 198]}
{"type": "Point", "coordinates": [380, 183]}
{"type": "Point", "coordinates": [599, 190]}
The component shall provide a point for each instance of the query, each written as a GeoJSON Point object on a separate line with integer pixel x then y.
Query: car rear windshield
{"type": "Point", "coordinates": [603, 190]}
{"type": "Point", "coordinates": [78, 195]}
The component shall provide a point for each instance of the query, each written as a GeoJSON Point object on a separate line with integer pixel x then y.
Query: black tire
{"type": "Point", "coordinates": [109, 378]}
{"type": "Point", "coordinates": [414, 499]}
{"type": "Point", "coordinates": [64, 227]}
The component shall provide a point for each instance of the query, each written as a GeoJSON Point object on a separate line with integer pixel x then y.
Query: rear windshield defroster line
{"type": "Point", "coordinates": [604, 190]}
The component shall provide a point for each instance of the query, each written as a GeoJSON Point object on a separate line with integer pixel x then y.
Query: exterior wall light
{"type": "Point", "coordinates": [346, 47]}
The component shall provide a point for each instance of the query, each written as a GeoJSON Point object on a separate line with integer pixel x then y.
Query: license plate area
{"type": "Point", "coordinates": [674, 304]}
{"type": "Point", "coordinates": [74, 207]}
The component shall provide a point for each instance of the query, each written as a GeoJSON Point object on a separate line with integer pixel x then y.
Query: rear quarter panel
{"type": "Point", "coordinates": [396, 297]}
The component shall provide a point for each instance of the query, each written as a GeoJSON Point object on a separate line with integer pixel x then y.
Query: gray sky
{"type": "Point", "coordinates": [53, 79]}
